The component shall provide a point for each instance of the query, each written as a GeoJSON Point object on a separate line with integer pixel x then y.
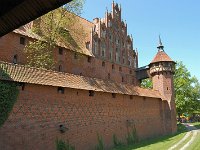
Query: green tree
{"type": "Point", "coordinates": [147, 83]}
{"type": "Point", "coordinates": [187, 90]}
{"type": "Point", "coordinates": [51, 29]}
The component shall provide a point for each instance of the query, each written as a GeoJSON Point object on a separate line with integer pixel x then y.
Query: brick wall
{"type": "Point", "coordinates": [10, 46]}
{"type": "Point", "coordinates": [35, 119]}
{"type": "Point", "coordinates": [163, 82]}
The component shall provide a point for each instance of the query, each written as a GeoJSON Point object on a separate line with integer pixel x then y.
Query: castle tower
{"type": "Point", "coordinates": [162, 68]}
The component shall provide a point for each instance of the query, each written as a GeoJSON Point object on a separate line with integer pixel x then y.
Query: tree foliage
{"type": "Point", "coordinates": [187, 90]}
{"type": "Point", "coordinates": [147, 83]}
{"type": "Point", "coordinates": [51, 29]}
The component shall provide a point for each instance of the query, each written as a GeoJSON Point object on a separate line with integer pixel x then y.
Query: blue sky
{"type": "Point", "coordinates": [177, 21]}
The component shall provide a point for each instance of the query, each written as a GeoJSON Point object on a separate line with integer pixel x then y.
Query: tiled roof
{"type": "Point", "coordinates": [19, 73]}
{"type": "Point", "coordinates": [80, 32]}
{"type": "Point", "coordinates": [160, 57]}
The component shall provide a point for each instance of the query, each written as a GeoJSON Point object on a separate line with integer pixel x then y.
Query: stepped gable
{"type": "Point", "coordinates": [78, 40]}
{"type": "Point", "coordinates": [24, 74]}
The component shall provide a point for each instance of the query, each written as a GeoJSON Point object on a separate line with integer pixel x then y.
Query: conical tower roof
{"type": "Point", "coordinates": [161, 56]}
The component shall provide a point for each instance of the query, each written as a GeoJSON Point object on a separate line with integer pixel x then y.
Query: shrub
{"type": "Point", "coordinates": [116, 142]}
{"type": "Point", "coordinates": [132, 137]}
{"type": "Point", "coordinates": [61, 145]}
{"type": "Point", "coordinates": [8, 97]}
{"type": "Point", "coordinates": [100, 145]}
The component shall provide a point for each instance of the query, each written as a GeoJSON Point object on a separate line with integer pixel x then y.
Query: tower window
{"type": "Point", "coordinates": [15, 59]}
{"type": "Point", "coordinates": [60, 68]}
{"type": "Point", "coordinates": [103, 64]}
{"type": "Point", "coordinates": [113, 67]}
{"type": "Point", "coordinates": [131, 96]}
{"type": "Point", "coordinates": [129, 63]}
{"type": "Point", "coordinates": [89, 59]}
{"type": "Point", "coordinates": [120, 69]}
{"type": "Point", "coordinates": [91, 93]}
{"type": "Point", "coordinates": [22, 40]}
{"type": "Point", "coordinates": [61, 90]}
{"type": "Point", "coordinates": [60, 51]}
{"type": "Point", "coordinates": [108, 75]}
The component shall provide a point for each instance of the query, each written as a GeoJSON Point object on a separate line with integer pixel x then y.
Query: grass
{"type": "Point", "coordinates": [184, 142]}
{"type": "Point", "coordinates": [195, 144]}
{"type": "Point", "coordinates": [163, 142]}
{"type": "Point", "coordinates": [196, 124]}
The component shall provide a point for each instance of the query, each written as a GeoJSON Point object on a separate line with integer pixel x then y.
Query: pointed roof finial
{"type": "Point", "coordinates": [113, 2]}
{"type": "Point", "coordinates": [106, 9]}
{"type": "Point", "coordinates": [160, 42]}
{"type": "Point", "coordinates": [160, 46]}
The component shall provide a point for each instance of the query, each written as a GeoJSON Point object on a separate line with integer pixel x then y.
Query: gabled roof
{"type": "Point", "coordinates": [24, 74]}
{"type": "Point", "coordinates": [161, 56]}
{"type": "Point", "coordinates": [77, 41]}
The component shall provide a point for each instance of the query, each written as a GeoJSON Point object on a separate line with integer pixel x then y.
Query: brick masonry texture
{"type": "Point", "coordinates": [35, 119]}
{"type": "Point", "coordinates": [34, 123]}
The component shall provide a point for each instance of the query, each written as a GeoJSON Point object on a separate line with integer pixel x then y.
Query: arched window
{"type": "Point", "coordinates": [103, 33]}
{"type": "Point", "coordinates": [103, 49]}
{"type": "Point", "coordinates": [15, 57]}
{"type": "Point", "coordinates": [113, 67]}
{"type": "Point", "coordinates": [95, 48]}
{"type": "Point", "coordinates": [109, 23]}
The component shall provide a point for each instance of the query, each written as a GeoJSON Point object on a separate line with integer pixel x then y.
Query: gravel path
{"type": "Point", "coordinates": [191, 130]}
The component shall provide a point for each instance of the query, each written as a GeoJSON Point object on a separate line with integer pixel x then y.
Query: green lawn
{"type": "Point", "coordinates": [163, 143]}
{"type": "Point", "coordinates": [196, 144]}
{"type": "Point", "coordinates": [196, 124]}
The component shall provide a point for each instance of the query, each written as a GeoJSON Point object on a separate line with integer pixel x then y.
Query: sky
{"type": "Point", "coordinates": [176, 21]}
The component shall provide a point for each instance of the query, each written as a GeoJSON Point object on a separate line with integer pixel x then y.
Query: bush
{"type": "Point", "coordinates": [116, 142]}
{"type": "Point", "coordinates": [132, 137]}
{"type": "Point", "coordinates": [61, 145]}
{"type": "Point", "coordinates": [8, 97]}
{"type": "Point", "coordinates": [100, 145]}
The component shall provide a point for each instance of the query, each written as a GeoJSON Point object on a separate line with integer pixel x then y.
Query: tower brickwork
{"type": "Point", "coordinates": [162, 69]}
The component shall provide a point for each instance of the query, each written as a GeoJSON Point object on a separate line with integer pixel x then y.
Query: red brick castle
{"type": "Point", "coordinates": [94, 89]}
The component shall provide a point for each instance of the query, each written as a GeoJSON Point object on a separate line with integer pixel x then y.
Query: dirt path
{"type": "Point", "coordinates": [191, 131]}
